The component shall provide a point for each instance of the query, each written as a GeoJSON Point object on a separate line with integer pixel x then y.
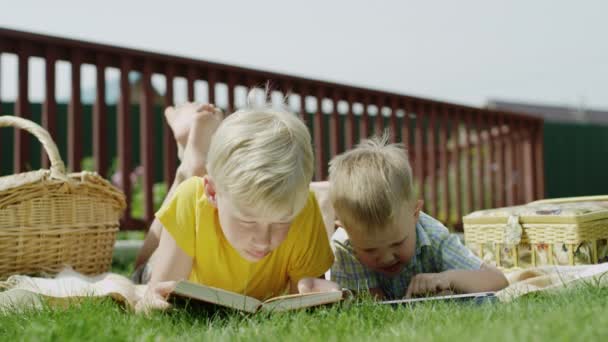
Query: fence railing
{"type": "Point", "coordinates": [463, 158]}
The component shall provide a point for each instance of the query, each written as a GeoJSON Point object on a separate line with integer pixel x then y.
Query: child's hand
{"type": "Point", "coordinates": [307, 285]}
{"type": "Point", "coordinates": [155, 297]}
{"type": "Point", "coordinates": [428, 283]}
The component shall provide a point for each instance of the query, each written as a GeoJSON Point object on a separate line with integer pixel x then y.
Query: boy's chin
{"type": "Point", "coordinates": [253, 256]}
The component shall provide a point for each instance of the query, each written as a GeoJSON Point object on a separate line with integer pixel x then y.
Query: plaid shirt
{"type": "Point", "coordinates": [436, 251]}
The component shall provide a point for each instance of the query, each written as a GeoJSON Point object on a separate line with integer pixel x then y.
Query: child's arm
{"type": "Point", "coordinates": [171, 264]}
{"type": "Point", "coordinates": [487, 278]}
{"type": "Point", "coordinates": [156, 228]}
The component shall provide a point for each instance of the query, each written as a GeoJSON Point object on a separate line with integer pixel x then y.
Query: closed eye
{"type": "Point", "coordinates": [281, 225]}
{"type": "Point", "coordinates": [399, 243]}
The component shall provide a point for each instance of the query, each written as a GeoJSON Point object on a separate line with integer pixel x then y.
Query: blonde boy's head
{"type": "Point", "coordinates": [370, 185]}
{"type": "Point", "coordinates": [262, 158]}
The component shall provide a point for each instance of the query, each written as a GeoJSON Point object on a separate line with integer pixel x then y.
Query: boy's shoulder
{"type": "Point", "coordinates": [310, 214]}
{"type": "Point", "coordinates": [311, 205]}
{"type": "Point", "coordinates": [433, 234]}
{"type": "Point", "coordinates": [430, 231]}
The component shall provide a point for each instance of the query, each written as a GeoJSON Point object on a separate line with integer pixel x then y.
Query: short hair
{"type": "Point", "coordinates": [262, 158]}
{"type": "Point", "coordinates": [370, 184]}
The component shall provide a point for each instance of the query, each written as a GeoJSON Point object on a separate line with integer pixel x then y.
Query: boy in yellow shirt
{"type": "Point", "coordinates": [249, 225]}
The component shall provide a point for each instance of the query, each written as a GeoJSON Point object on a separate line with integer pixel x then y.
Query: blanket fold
{"type": "Point", "coordinates": [22, 292]}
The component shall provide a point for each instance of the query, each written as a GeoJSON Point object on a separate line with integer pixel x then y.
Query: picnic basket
{"type": "Point", "coordinates": [563, 231]}
{"type": "Point", "coordinates": [50, 219]}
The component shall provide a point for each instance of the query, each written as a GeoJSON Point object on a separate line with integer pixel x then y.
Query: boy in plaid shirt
{"type": "Point", "coordinates": [393, 250]}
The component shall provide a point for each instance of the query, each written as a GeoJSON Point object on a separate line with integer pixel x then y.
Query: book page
{"type": "Point", "coordinates": [297, 301]}
{"type": "Point", "coordinates": [217, 296]}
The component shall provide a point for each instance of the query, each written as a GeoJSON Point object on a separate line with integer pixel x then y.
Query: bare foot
{"type": "Point", "coordinates": [181, 118]}
{"type": "Point", "coordinates": [201, 126]}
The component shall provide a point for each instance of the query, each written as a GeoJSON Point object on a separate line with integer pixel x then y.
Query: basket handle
{"type": "Point", "coordinates": [57, 166]}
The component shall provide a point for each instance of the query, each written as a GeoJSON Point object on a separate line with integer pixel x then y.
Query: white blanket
{"type": "Point", "coordinates": [69, 286]}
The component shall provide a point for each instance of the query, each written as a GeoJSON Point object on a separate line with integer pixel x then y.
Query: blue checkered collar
{"type": "Point", "coordinates": [422, 238]}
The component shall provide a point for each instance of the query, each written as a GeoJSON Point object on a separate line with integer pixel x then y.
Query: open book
{"type": "Point", "coordinates": [477, 298]}
{"type": "Point", "coordinates": [212, 295]}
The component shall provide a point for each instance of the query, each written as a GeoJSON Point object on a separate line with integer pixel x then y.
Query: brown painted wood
{"type": "Point", "coordinates": [491, 167]}
{"type": "Point", "coordinates": [379, 124]}
{"type": "Point", "coordinates": [303, 112]}
{"type": "Point", "coordinates": [539, 163]}
{"type": "Point", "coordinates": [147, 144]}
{"type": "Point", "coordinates": [190, 78]}
{"type": "Point", "coordinates": [231, 85]}
{"type": "Point", "coordinates": [444, 199]}
{"type": "Point", "coordinates": [457, 160]}
{"type": "Point", "coordinates": [364, 120]}
{"type": "Point", "coordinates": [22, 109]}
{"type": "Point", "coordinates": [468, 165]}
{"type": "Point", "coordinates": [349, 124]}
{"type": "Point", "coordinates": [75, 120]}
{"type": "Point", "coordinates": [100, 120]}
{"type": "Point", "coordinates": [169, 144]}
{"type": "Point", "coordinates": [500, 162]}
{"type": "Point", "coordinates": [406, 126]}
{"type": "Point", "coordinates": [512, 174]}
{"type": "Point", "coordinates": [211, 86]}
{"type": "Point", "coordinates": [49, 108]}
{"type": "Point", "coordinates": [431, 160]}
{"type": "Point", "coordinates": [334, 129]}
{"type": "Point", "coordinates": [481, 161]}
{"type": "Point", "coordinates": [393, 122]}
{"type": "Point", "coordinates": [529, 171]}
{"type": "Point", "coordinates": [320, 173]}
{"type": "Point", "coordinates": [124, 133]}
{"type": "Point", "coordinates": [1, 86]}
{"type": "Point", "coordinates": [419, 166]}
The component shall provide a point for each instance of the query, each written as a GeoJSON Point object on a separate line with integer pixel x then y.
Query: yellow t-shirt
{"type": "Point", "coordinates": [193, 223]}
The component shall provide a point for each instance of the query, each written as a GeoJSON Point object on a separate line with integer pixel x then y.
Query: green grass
{"type": "Point", "coordinates": [576, 315]}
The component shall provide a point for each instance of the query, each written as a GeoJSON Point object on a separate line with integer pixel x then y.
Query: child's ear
{"type": "Point", "coordinates": [210, 191]}
{"type": "Point", "coordinates": [418, 208]}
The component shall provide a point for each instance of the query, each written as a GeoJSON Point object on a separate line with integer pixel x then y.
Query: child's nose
{"type": "Point", "coordinates": [263, 238]}
{"type": "Point", "coordinates": [386, 258]}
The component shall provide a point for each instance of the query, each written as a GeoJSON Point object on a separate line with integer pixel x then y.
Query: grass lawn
{"type": "Point", "coordinates": [576, 315]}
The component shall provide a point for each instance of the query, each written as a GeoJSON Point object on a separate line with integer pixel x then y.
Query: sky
{"type": "Point", "coordinates": [467, 52]}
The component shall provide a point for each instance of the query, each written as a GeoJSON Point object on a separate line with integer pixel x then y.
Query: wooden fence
{"type": "Point", "coordinates": [463, 158]}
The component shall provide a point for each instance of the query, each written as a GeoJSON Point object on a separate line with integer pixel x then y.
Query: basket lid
{"type": "Point", "coordinates": [573, 212]}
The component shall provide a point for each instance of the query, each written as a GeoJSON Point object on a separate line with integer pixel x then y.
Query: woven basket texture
{"type": "Point", "coordinates": [50, 219]}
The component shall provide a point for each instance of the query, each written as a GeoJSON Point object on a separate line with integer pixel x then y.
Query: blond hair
{"type": "Point", "coordinates": [370, 184]}
{"type": "Point", "coordinates": [262, 158]}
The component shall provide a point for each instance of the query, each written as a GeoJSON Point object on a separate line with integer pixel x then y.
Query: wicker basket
{"type": "Point", "coordinates": [50, 219]}
{"type": "Point", "coordinates": [567, 231]}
